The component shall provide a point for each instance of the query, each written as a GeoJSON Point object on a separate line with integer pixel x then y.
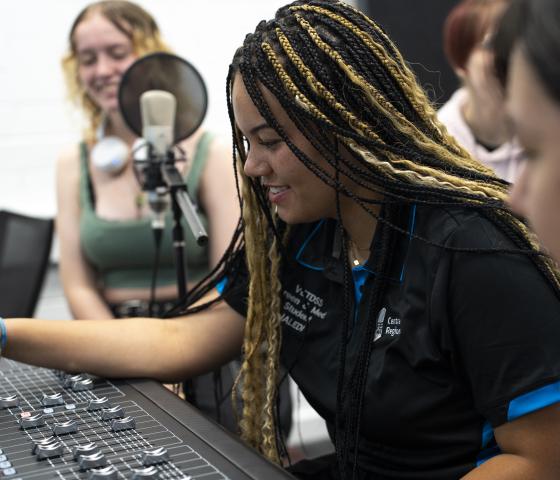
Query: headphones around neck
{"type": "Point", "coordinates": [110, 153]}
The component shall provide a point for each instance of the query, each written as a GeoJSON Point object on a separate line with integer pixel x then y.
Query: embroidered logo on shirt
{"type": "Point", "coordinates": [380, 323]}
{"type": "Point", "coordinates": [301, 307]}
{"type": "Point", "coordinates": [387, 325]}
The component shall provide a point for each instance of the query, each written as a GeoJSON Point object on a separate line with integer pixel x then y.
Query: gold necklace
{"type": "Point", "coordinates": [354, 253]}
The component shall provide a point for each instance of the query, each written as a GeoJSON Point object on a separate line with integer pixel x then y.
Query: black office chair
{"type": "Point", "coordinates": [25, 245]}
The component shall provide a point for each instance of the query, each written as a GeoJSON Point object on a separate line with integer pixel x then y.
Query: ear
{"type": "Point", "coordinates": [461, 73]}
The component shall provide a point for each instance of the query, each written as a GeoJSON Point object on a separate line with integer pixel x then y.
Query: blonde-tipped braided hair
{"type": "Point", "coordinates": [339, 77]}
{"type": "Point", "coordinates": [132, 20]}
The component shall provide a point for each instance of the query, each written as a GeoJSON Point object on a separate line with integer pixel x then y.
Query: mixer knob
{"type": "Point", "coordinates": [71, 379]}
{"type": "Point", "coordinates": [95, 460]}
{"type": "Point", "coordinates": [71, 426]}
{"type": "Point", "coordinates": [148, 472]}
{"type": "Point", "coordinates": [86, 449]}
{"type": "Point", "coordinates": [52, 400]}
{"type": "Point", "coordinates": [125, 423]}
{"type": "Point", "coordinates": [50, 450]}
{"type": "Point", "coordinates": [9, 402]}
{"type": "Point", "coordinates": [113, 412]}
{"type": "Point", "coordinates": [98, 403]}
{"type": "Point", "coordinates": [107, 473]}
{"type": "Point", "coordinates": [36, 420]}
{"type": "Point", "coordinates": [153, 457]}
{"type": "Point", "coordinates": [82, 385]}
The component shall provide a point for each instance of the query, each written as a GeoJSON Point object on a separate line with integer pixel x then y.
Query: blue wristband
{"type": "Point", "coordinates": [3, 334]}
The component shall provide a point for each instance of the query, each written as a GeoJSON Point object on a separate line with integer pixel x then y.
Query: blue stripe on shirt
{"type": "Point", "coordinates": [534, 400]}
{"type": "Point", "coordinates": [221, 285]}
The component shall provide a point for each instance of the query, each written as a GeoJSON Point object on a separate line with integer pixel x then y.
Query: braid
{"type": "Point", "coordinates": [291, 87]}
{"type": "Point", "coordinates": [430, 149]}
{"type": "Point", "coordinates": [376, 98]}
{"type": "Point", "coordinates": [340, 420]}
{"type": "Point", "coordinates": [261, 346]}
{"type": "Point", "coordinates": [419, 98]}
{"type": "Point", "coordinates": [252, 366]}
{"type": "Point", "coordinates": [358, 380]}
{"type": "Point", "coordinates": [273, 342]}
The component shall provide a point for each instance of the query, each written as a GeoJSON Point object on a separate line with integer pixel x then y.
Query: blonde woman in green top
{"type": "Point", "coordinates": [106, 244]}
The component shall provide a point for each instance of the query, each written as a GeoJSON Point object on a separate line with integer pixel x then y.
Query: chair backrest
{"type": "Point", "coordinates": [25, 245]}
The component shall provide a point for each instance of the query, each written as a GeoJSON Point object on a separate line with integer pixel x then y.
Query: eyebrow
{"type": "Point", "coordinates": [105, 47]}
{"type": "Point", "coordinates": [259, 127]}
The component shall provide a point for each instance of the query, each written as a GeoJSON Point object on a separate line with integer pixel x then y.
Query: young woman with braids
{"type": "Point", "coordinates": [377, 263]}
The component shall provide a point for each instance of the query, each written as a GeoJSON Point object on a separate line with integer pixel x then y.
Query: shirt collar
{"type": "Point", "coordinates": [321, 249]}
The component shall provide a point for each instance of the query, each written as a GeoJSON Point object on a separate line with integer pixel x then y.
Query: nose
{"type": "Point", "coordinates": [255, 165]}
{"type": "Point", "coordinates": [104, 66]}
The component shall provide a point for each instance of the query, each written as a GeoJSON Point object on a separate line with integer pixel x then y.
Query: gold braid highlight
{"type": "Point", "coordinates": [417, 96]}
{"type": "Point", "coordinates": [261, 345]}
{"type": "Point", "coordinates": [251, 369]}
{"type": "Point", "coordinates": [317, 87]}
{"type": "Point", "coordinates": [406, 127]}
{"type": "Point", "coordinates": [289, 85]}
{"type": "Point", "coordinates": [424, 173]}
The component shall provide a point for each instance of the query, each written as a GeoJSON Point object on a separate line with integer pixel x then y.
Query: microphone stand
{"type": "Point", "coordinates": [182, 205]}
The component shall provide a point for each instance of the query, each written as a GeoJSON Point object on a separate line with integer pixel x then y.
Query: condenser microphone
{"type": "Point", "coordinates": [157, 108]}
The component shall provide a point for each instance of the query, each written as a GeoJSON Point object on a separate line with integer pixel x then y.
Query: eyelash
{"type": "Point", "coordinates": [86, 61]}
{"type": "Point", "coordinates": [269, 144]}
{"type": "Point", "coordinates": [115, 54]}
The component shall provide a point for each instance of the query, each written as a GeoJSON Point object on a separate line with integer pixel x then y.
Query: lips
{"type": "Point", "coordinates": [104, 87]}
{"type": "Point", "coordinates": [277, 190]}
{"type": "Point", "coordinates": [276, 193]}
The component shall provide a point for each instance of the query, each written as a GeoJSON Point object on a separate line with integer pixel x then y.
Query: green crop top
{"type": "Point", "coordinates": [122, 252]}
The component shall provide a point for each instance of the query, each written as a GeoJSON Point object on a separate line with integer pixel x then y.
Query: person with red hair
{"type": "Point", "coordinates": [475, 113]}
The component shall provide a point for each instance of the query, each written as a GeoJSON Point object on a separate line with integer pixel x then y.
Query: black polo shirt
{"type": "Point", "coordinates": [464, 342]}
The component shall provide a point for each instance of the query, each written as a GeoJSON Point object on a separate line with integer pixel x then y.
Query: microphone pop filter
{"type": "Point", "coordinates": [170, 73]}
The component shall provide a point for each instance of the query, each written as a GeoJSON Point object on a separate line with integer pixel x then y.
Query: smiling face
{"type": "Point", "coordinates": [536, 118]}
{"type": "Point", "coordinates": [103, 53]}
{"type": "Point", "coordinates": [297, 193]}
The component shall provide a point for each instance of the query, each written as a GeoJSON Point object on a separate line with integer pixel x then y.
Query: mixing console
{"type": "Point", "coordinates": [59, 426]}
